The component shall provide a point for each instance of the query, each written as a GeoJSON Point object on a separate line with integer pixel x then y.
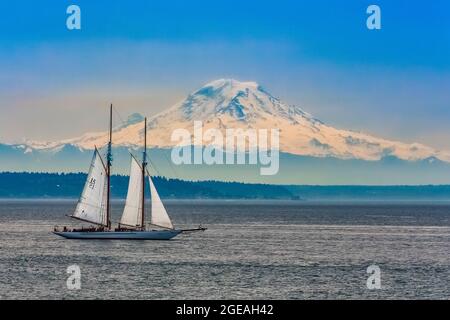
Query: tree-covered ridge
{"type": "Point", "coordinates": [70, 185]}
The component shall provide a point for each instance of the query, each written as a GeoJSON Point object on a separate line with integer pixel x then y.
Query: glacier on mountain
{"type": "Point", "coordinates": [228, 103]}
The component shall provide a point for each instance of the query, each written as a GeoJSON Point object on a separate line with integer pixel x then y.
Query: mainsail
{"type": "Point", "coordinates": [132, 213]}
{"type": "Point", "coordinates": [159, 213]}
{"type": "Point", "coordinates": [92, 205]}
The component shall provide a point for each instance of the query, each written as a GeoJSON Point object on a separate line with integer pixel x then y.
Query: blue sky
{"type": "Point", "coordinates": [146, 55]}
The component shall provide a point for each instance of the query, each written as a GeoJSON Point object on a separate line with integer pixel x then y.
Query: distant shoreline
{"type": "Point", "coordinates": [252, 202]}
{"type": "Point", "coordinates": [68, 187]}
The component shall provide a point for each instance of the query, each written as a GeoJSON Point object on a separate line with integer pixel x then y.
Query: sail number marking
{"type": "Point", "coordinates": [92, 183]}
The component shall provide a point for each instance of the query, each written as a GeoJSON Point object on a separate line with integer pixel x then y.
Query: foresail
{"type": "Point", "coordinates": [92, 204]}
{"type": "Point", "coordinates": [132, 213]}
{"type": "Point", "coordinates": [159, 213]}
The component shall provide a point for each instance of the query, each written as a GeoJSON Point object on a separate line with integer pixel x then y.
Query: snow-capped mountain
{"type": "Point", "coordinates": [227, 103]}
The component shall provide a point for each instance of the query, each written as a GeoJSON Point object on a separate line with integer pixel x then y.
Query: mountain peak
{"type": "Point", "coordinates": [231, 83]}
{"type": "Point", "coordinates": [238, 100]}
{"type": "Point", "coordinates": [226, 88]}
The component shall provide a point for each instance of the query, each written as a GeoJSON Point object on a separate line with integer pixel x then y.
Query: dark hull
{"type": "Point", "coordinates": [120, 235]}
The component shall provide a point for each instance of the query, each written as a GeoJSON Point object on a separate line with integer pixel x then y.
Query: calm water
{"type": "Point", "coordinates": [252, 250]}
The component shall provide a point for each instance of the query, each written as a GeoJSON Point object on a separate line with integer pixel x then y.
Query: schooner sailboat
{"type": "Point", "coordinates": [94, 203]}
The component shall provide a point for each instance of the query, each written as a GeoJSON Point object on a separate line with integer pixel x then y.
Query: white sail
{"type": "Point", "coordinates": [93, 201]}
{"type": "Point", "coordinates": [132, 213]}
{"type": "Point", "coordinates": [159, 213]}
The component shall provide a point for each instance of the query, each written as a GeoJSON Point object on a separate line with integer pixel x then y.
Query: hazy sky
{"type": "Point", "coordinates": [144, 56]}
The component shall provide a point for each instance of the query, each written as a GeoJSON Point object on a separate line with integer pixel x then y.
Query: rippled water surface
{"type": "Point", "coordinates": [251, 250]}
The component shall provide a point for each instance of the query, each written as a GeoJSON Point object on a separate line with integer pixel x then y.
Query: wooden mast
{"type": "Point", "coordinates": [108, 171]}
{"type": "Point", "coordinates": [144, 164]}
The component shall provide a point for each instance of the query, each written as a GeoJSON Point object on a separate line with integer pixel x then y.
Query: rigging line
{"type": "Point", "coordinates": [123, 125]}
{"type": "Point", "coordinates": [175, 174]}
{"type": "Point", "coordinates": [106, 135]}
{"type": "Point", "coordinates": [152, 165]}
{"type": "Point", "coordinates": [171, 166]}
{"type": "Point", "coordinates": [123, 122]}
{"type": "Point", "coordinates": [131, 150]}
